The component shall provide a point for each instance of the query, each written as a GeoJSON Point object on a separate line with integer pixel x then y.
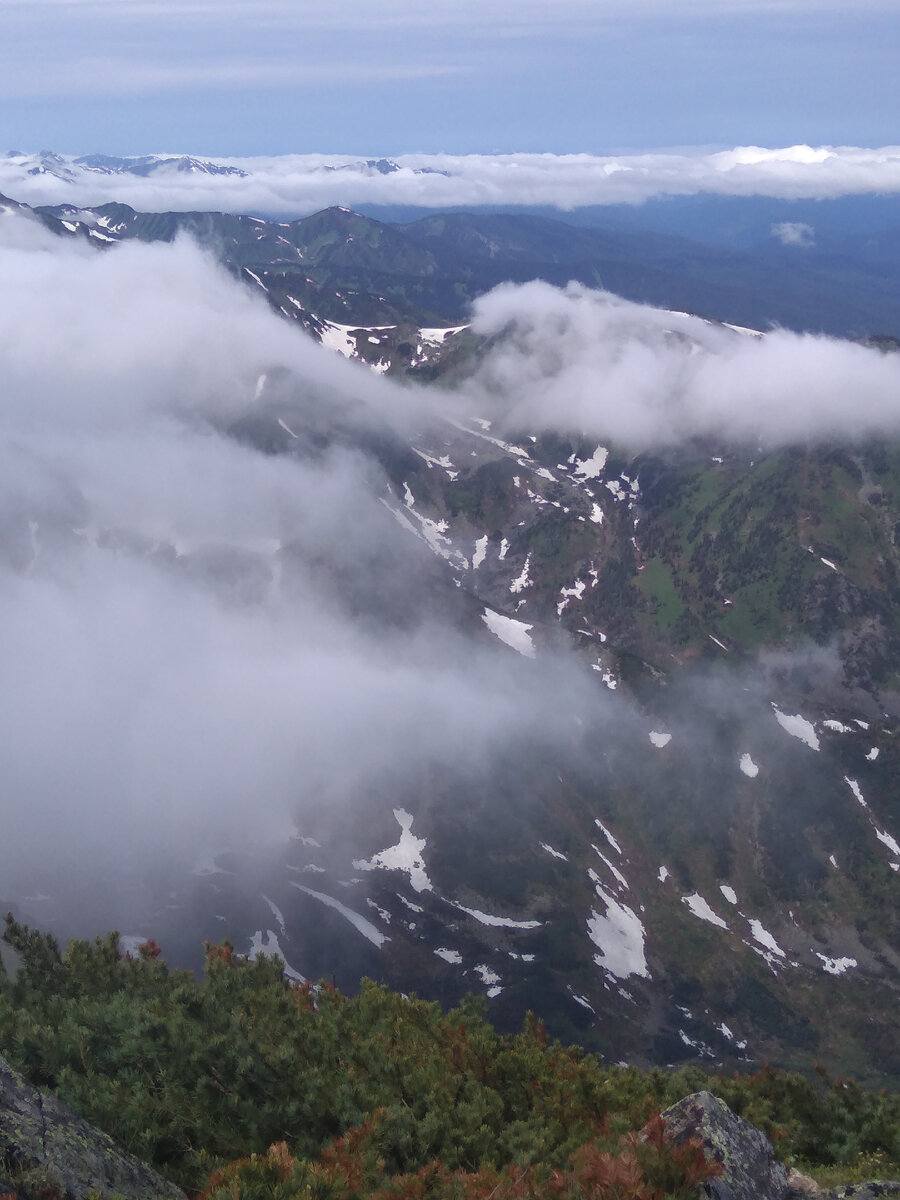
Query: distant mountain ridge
{"type": "Point", "coordinates": [354, 270]}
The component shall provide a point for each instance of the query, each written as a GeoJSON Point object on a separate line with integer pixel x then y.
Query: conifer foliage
{"type": "Point", "coordinates": [250, 1086]}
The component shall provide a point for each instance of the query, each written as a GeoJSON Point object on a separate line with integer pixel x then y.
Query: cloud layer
{"type": "Point", "coordinates": [295, 185]}
{"type": "Point", "coordinates": [578, 360]}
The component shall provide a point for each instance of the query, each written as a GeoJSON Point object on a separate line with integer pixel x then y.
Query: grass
{"type": "Point", "coordinates": [657, 582]}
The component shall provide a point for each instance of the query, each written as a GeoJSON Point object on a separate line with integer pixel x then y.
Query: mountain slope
{"type": "Point", "coordinates": [689, 852]}
{"type": "Point", "coordinates": [349, 268]}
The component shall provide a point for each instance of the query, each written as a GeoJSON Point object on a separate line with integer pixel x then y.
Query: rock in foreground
{"type": "Point", "coordinates": [42, 1136]}
{"type": "Point", "coordinates": [751, 1171]}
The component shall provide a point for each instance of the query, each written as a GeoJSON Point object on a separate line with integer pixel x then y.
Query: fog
{"type": "Point", "coordinates": [206, 644]}
{"type": "Point", "coordinates": [202, 642]}
{"type": "Point", "coordinates": [578, 360]}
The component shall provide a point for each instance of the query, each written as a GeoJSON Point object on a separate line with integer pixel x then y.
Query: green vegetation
{"type": "Point", "coordinates": [377, 1094]}
{"type": "Point", "coordinates": [658, 583]}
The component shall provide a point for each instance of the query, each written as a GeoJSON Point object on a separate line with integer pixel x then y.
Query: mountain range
{"type": "Point", "coordinates": [826, 265]}
{"type": "Point", "coordinates": [704, 867]}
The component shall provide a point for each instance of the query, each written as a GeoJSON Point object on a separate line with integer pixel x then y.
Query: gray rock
{"type": "Point", "coordinates": [751, 1170]}
{"type": "Point", "coordinates": [876, 1189]}
{"type": "Point", "coordinates": [800, 1185]}
{"type": "Point", "coordinates": [42, 1139]}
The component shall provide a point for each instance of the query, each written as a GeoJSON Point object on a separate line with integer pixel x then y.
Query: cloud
{"type": "Point", "coordinates": [90, 76]}
{"type": "Point", "coordinates": [299, 184]}
{"type": "Point", "coordinates": [578, 360]}
{"type": "Point", "coordinates": [794, 233]}
{"type": "Point", "coordinates": [204, 641]}
{"type": "Point", "coordinates": [439, 12]}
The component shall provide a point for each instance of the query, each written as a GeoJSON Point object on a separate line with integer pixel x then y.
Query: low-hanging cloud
{"type": "Point", "coordinates": [298, 184]}
{"type": "Point", "coordinates": [194, 653]}
{"type": "Point", "coordinates": [580, 360]}
{"type": "Point", "coordinates": [205, 642]}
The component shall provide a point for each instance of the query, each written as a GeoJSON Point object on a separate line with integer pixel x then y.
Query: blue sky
{"type": "Point", "coordinates": [460, 76]}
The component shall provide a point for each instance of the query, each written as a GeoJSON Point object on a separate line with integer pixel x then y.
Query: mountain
{"type": "Point", "coordinates": [71, 169]}
{"type": "Point", "coordinates": [354, 270]}
{"type": "Point", "coordinates": [699, 862]}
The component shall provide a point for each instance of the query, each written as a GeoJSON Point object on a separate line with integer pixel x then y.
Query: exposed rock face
{"type": "Point", "coordinates": [40, 1135]}
{"type": "Point", "coordinates": [751, 1170]}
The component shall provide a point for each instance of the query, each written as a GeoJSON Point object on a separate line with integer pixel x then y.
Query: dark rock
{"type": "Point", "coordinates": [751, 1170]}
{"type": "Point", "coordinates": [43, 1140]}
{"type": "Point", "coordinates": [876, 1189]}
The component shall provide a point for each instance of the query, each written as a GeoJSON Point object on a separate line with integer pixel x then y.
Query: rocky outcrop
{"type": "Point", "coordinates": [751, 1171]}
{"type": "Point", "coordinates": [45, 1147]}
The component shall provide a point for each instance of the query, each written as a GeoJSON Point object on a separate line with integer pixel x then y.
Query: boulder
{"type": "Point", "coordinates": [751, 1171]}
{"type": "Point", "coordinates": [43, 1143]}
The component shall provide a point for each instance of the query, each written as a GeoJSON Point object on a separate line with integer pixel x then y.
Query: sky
{"type": "Point", "coordinates": [251, 77]}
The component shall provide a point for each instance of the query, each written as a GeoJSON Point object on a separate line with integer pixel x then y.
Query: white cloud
{"type": "Point", "coordinates": [89, 76]}
{"type": "Point", "coordinates": [585, 361]}
{"type": "Point", "coordinates": [794, 233]}
{"type": "Point", "coordinates": [439, 12]}
{"type": "Point", "coordinates": [297, 184]}
{"type": "Point", "coordinates": [202, 640]}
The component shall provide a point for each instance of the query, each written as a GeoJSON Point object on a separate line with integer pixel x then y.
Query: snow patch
{"type": "Point", "coordinates": [450, 956]}
{"type": "Point", "coordinates": [269, 945]}
{"type": "Point", "coordinates": [761, 935]}
{"type": "Point", "coordinates": [359, 923]}
{"type": "Point", "coordinates": [836, 966]}
{"type": "Point", "coordinates": [575, 592]}
{"type": "Point", "coordinates": [277, 914]}
{"type": "Point", "coordinates": [406, 856]}
{"type": "Point", "coordinates": [590, 468]}
{"type": "Point", "coordinates": [729, 893]}
{"type": "Point", "coordinates": [486, 975]}
{"type": "Point", "coordinates": [511, 632]}
{"type": "Point", "coordinates": [609, 837]}
{"type": "Point", "coordinates": [748, 766]}
{"type": "Point", "coordinates": [382, 912]}
{"type": "Point", "coordinates": [554, 853]}
{"type": "Point", "coordinates": [522, 581]}
{"type": "Point", "coordinates": [619, 936]}
{"type": "Point", "coordinates": [659, 739]}
{"type": "Point", "coordinates": [886, 840]}
{"type": "Point", "coordinates": [497, 922]}
{"type": "Point", "coordinates": [701, 909]}
{"type": "Point", "coordinates": [620, 878]}
{"type": "Point", "coordinates": [798, 727]}
{"type": "Point", "coordinates": [855, 789]}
